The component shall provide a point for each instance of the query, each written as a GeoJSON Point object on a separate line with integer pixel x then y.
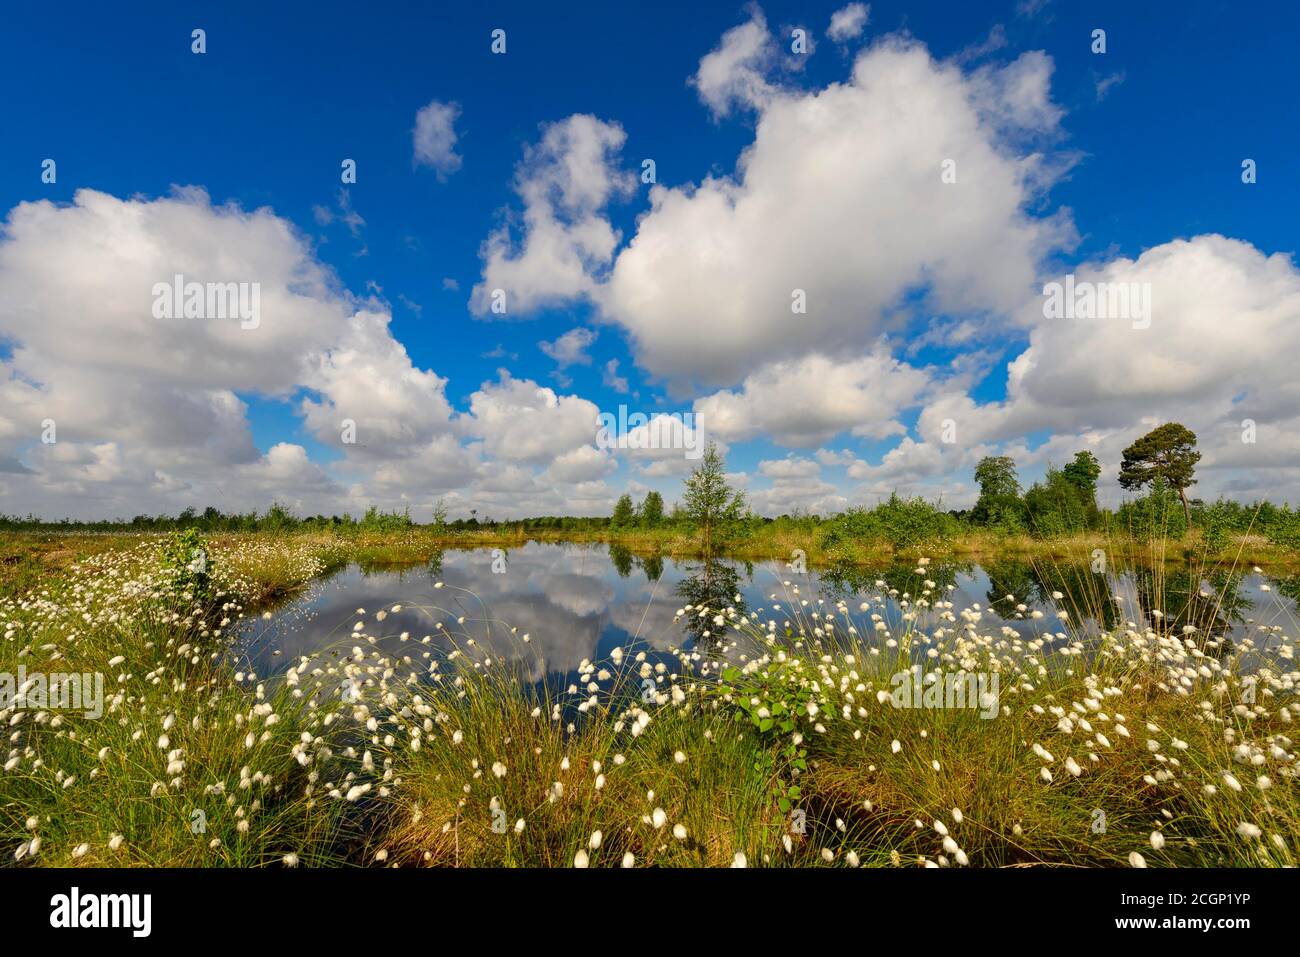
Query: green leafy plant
{"type": "Point", "coordinates": [771, 701]}
{"type": "Point", "coordinates": [187, 565]}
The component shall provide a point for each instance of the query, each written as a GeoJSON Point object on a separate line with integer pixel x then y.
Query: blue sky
{"type": "Point", "coordinates": [1151, 135]}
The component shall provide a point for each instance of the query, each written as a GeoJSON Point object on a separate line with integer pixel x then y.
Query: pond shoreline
{"type": "Point", "coordinates": [419, 541]}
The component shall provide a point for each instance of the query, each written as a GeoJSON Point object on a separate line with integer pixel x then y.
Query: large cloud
{"type": "Point", "coordinates": [1221, 315]}
{"type": "Point", "coordinates": [564, 181]}
{"type": "Point", "coordinates": [804, 402]}
{"type": "Point", "coordinates": [1219, 309]}
{"type": "Point", "coordinates": [79, 283]}
{"type": "Point", "coordinates": [151, 414]}
{"type": "Point", "coordinates": [520, 421]}
{"type": "Point", "coordinates": [838, 219]}
{"type": "Point", "coordinates": [841, 196]}
{"type": "Point", "coordinates": [135, 399]}
{"type": "Point", "coordinates": [367, 378]}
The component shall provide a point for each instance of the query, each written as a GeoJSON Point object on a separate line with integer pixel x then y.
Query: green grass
{"type": "Point", "coordinates": [162, 766]}
{"type": "Point", "coordinates": [407, 774]}
{"type": "Point", "coordinates": [856, 794]}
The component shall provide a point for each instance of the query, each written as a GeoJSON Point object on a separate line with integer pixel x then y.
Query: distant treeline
{"type": "Point", "coordinates": [1063, 503]}
{"type": "Point", "coordinates": [279, 518]}
{"type": "Point", "coordinates": [899, 521]}
{"type": "Point", "coordinates": [911, 523]}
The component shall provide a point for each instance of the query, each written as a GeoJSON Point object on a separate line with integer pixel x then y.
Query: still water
{"type": "Point", "coordinates": [581, 601]}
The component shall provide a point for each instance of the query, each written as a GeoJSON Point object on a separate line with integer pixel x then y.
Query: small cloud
{"type": "Point", "coordinates": [1106, 82]}
{"type": "Point", "coordinates": [996, 40]}
{"type": "Point", "coordinates": [834, 457]}
{"type": "Point", "coordinates": [435, 138]}
{"type": "Point", "coordinates": [734, 73]}
{"type": "Point", "coordinates": [612, 379]}
{"type": "Point", "coordinates": [450, 284]}
{"type": "Point", "coordinates": [349, 216]}
{"type": "Point", "coordinates": [570, 348]}
{"type": "Point", "coordinates": [1030, 8]}
{"type": "Point", "coordinates": [346, 215]}
{"type": "Point", "coordinates": [847, 23]}
{"type": "Point", "coordinates": [500, 353]}
{"type": "Point", "coordinates": [410, 304]}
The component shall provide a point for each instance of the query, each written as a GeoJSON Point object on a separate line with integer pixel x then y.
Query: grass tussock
{"type": "Point", "coordinates": [185, 765]}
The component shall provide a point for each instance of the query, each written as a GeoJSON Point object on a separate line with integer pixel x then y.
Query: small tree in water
{"type": "Point", "coordinates": [708, 501]}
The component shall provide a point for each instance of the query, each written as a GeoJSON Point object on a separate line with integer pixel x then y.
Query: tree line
{"type": "Point", "coordinates": [1161, 465]}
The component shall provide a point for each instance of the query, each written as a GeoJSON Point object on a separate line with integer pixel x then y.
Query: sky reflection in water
{"type": "Point", "coordinates": [581, 601]}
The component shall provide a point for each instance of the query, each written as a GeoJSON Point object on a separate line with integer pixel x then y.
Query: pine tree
{"type": "Point", "coordinates": [623, 513]}
{"type": "Point", "coordinates": [1167, 454]}
{"type": "Point", "coordinates": [652, 510]}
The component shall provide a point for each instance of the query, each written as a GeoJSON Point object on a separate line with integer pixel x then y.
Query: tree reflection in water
{"type": "Point", "coordinates": [653, 566]}
{"type": "Point", "coordinates": [621, 558]}
{"type": "Point", "coordinates": [1208, 601]}
{"type": "Point", "coordinates": [714, 585]}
